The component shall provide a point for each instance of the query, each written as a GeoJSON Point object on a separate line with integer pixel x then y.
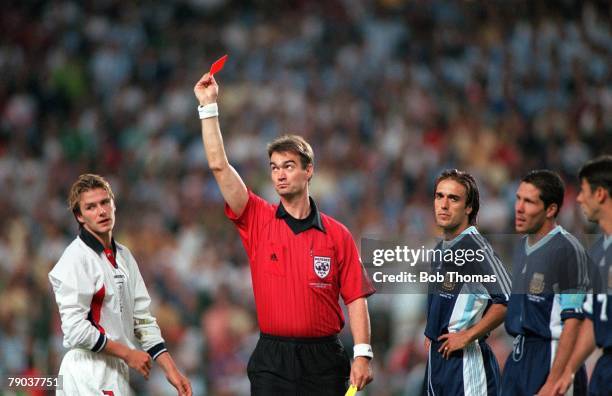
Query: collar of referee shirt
{"type": "Point", "coordinates": [313, 220]}
{"type": "Point", "coordinates": [93, 243]}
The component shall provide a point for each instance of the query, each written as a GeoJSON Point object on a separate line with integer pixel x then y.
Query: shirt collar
{"type": "Point", "coordinates": [452, 242]}
{"type": "Point", "coordinates": [300, 225]}
{"type": "Point", "coordinates": [531, 248]}
{"type": "Point", "coordinates": [94, 243]}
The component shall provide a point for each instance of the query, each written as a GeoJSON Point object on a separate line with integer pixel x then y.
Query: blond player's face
{"type": "Point", "coordinates": [450, 205]}
{"type": "Point", "coordinates": [288, 176]}
{"type": "Point", "coordinates": [97, 211]}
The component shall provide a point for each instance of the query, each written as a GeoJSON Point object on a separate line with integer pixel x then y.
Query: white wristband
{"type": "Point", "coordinates": [363, 350]}
{"type": "Point", "coordinates": [208, 111]}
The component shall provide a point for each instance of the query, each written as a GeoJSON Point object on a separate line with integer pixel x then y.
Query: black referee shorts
{"type": "Point", "coordinates": [299, 366]}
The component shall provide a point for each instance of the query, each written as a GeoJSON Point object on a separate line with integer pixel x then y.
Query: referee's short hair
{"type": "Point", "coordinates": [86, 182]}
{"type": "Point", "coordinates": [294, 144]}
{"type": "Point", "coordinates": [472, 196]}
{"type": "Point", "coordinates": [598, 173]}
{"type": "Point", "coordinates": [550, 184]}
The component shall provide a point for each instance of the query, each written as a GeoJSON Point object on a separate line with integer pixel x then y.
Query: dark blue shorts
{"type": "Point", "coordinates": [601, 380]}
{"type": "Point", "coordinates": [472, 371]}
{"type": "Point", "coordinates": [528, 366]}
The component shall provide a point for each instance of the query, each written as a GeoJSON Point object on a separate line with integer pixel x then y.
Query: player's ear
{"type": "Point", "coordinates": [309, 171]}
{"type": "Point", "coordinates": [78, 214]}
{"type": "Point", "coordinates": [468, 210]}
{"type": "Point", "coordinates": [552, 211]}
{"type": "Point", "coordinates": [601, 194]}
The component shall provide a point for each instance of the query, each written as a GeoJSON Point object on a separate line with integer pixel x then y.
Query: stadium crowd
{"type": "Point", "coordinates": [388, 92]}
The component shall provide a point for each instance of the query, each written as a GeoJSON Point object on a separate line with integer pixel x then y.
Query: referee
{"type": "Point", "coordinates": [301, 262]}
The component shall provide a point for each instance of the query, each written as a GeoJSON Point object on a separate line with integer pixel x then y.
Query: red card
{"type": "Point", "coordinates": [218, 65]}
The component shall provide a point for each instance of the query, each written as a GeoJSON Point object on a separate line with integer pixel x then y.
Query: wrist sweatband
{"type": "Point", "coordinates": [208, 111]}
{"type": "Point", "coordinates": [363, 350]}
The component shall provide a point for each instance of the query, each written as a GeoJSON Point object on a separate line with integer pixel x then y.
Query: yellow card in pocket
{"type": "Point", "coordinates": [351, 391]}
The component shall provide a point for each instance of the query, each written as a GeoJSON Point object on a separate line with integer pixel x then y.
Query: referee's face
{"type": "Point", "coordinates": [450, 210]}
{"type": "Point", "coordinates": [97, 211]}
{"type": "Point", "coordinates": [289, 178]}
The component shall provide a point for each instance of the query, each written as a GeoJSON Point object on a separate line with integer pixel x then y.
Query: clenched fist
{"type": "Point", "coordinates": [206, 90]}
{"type": "Point", "coordinates": [139, 361]}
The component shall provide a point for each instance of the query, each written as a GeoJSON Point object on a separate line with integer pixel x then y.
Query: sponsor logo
{"type": "Point", "coordinates": [517, 348]}
{"type": "Point", "coordinates": [120, 284]}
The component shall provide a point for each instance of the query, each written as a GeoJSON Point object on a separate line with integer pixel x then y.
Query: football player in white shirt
{"type": "Point", "coordinates": [104, 304]}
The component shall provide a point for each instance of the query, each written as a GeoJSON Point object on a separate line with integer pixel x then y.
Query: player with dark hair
{"type": "Point", "coordinates": [595, 198]}
{"type": "Point", "coordinates": [460, 315]}
{"type": "Point", "coordinates": [104, 304]}
{"type": "Point", "coordinates": [301, 262]}
{"type": "Point", "coordinates": [550, 274]}
{"type": "Point", "coordinates": [472, 195]}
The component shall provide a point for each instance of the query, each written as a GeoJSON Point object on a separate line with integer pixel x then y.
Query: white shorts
{"type": "Point", "coordinates": [86, 373]}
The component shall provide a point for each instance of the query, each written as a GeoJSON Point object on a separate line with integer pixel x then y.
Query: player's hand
{"type": "Point", "coordinates": [180, 382]}
{"type": "Point", "coordinates": [547, 389]}
{"type": "Point", "coordinates": [139, 361]}
{"type": "Point", "coordinates": [563, 383]}
{"type": "Point", "coordinates": [361, 372]}
{"type": "Point", "coordinates": [453, 342]}
{"type": "Point", "coordinates": [206, 90]}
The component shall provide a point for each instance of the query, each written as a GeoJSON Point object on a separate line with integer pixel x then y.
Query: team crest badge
{"type": "Point", "coordinates": [448, 285]}
{"type": "Point", "coordinates": [536, 286]}
{"type": "Point", "coordinates": [322, 265]}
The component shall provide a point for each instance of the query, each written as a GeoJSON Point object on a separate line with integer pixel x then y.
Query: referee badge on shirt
{"type": "Point", "coordinates": [536, 286]}
{"type": "Point", "coordinates": [322, 265]}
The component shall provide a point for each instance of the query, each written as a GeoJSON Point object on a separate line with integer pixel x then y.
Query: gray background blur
{"type": "Point", "coordinates": [388, 93]}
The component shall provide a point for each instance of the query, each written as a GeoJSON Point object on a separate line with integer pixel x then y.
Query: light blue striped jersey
{"type": "Point", "coordinates": [454, 305]}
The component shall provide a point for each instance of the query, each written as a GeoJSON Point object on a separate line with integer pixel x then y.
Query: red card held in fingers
{"type": "Point", "coordinates": [218, 65]}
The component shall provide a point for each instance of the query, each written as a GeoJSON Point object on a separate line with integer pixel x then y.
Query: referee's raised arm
{"type": "Point", "coordinates": [232, 187]}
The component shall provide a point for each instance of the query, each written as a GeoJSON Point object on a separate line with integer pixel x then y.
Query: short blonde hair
{"type": "Point", "coordinates": [86, 182]}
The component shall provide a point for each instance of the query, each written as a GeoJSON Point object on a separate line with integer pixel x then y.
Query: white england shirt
{"type": "Point", "coordinates": [100, 300]}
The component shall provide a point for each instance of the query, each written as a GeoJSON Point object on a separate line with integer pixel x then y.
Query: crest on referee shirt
{"type": "Point", "coordinates": [322, 265]}
{"type": "Point", "coordinates": [536, 286]}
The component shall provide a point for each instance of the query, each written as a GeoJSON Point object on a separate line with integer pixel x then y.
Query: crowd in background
{"type": "Point", "coordinates": [388, 92]}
